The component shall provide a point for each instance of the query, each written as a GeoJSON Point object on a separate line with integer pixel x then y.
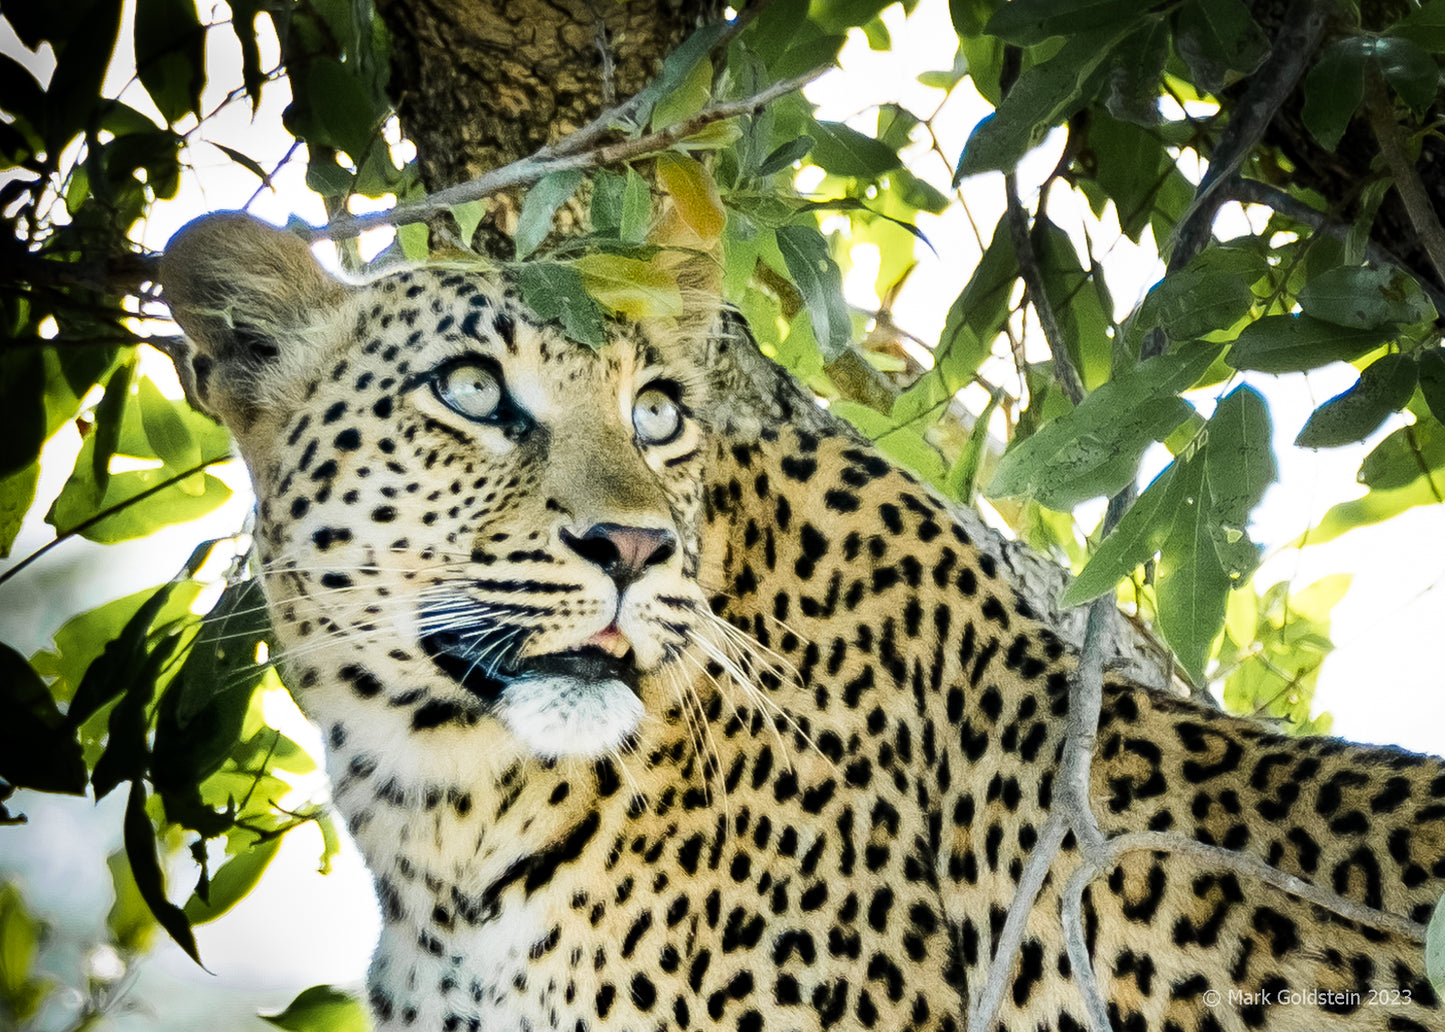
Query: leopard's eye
{"type": "Point", "coordinates": [656, 414]}
{"type": "Point", "coordinates": [469, 388]}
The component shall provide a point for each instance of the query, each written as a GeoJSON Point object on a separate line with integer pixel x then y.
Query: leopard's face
{"type": "Point", "coordinates": [517, 512]}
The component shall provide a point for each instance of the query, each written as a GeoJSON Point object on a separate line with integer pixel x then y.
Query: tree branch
{"type": "Point", "coordinates": [566, 154]}
{"type": "Point", "coordinates": [1303, 27]}
{"type": "Point", "coordinates": [1254, 191]}
{"type": "Point", "coordinates": [1032, 275]}
{"type": "Point", "coordinates": [1380, 110]}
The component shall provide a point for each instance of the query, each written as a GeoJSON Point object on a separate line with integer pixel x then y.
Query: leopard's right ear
{"type": "Point", "coordinates": [251, 299]}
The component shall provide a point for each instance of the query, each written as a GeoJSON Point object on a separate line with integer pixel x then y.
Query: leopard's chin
{"type": "Point", "coordinates": [581, 703]}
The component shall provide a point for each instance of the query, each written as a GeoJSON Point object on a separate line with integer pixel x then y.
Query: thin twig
{"type": "Point", "coordinates": [985, 1005]}
{"type": "Point", "coordinates": [1018, 227]}
{"type": "Point", "coordinates": [1380, 110]}
{"type": "Point", "coordinates": [534, 167]}
{"type": "Point", "coordinates": [1246, 865]}
{"type": "Point", "coordinates": [110, 510]}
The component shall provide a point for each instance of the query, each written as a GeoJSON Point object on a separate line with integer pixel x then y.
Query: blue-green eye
{"type": "Point", "coordinates": [656, 414]}
{"type": "Point", "coordinates": [470, 388]}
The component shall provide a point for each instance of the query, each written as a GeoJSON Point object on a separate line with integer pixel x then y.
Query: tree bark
{"type": "Point", "coordinates": [480, 83]}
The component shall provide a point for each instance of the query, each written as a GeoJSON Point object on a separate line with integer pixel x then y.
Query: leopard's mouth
{"type": "Point", "coordinates": [466, 661]}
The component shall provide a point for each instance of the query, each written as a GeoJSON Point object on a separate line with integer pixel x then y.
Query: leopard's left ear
{"type": "Point", "coordinates": [249, 297]}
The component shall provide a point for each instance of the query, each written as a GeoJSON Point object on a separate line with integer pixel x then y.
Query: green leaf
{"type": "Point", "coordinates": [636, 209]}
{"type": "Point", "coordinates": [540, 205]}
{"type": "Point", "coordinates": [1027, 22]}
{"type": "Point", "coordinates": [1384, 387]}
{"type": "Point", "coordinates": [686, 98]}
{"type": "Point", "coordinates": [170, 55]}
{"type": "Point", "coordinates": [975, 318]}
{"type": "Point", "coordinates": [469, 216]}
{"type": "Point", "coordinates": [1376, 507]}
{"type": "Point", "coordinates": [165, 427]}
{"type": "Point", "coordinates": [137, 503]}
{"type": "Point", "coordinates": [202, 713]}
{"type": "Point", "coordinates": [110, 419]}
{"type": "Point", "coordinates": [126, 748]}
{"type": "Point", "coordinates": [916, 193]}
{"type": "Point", "coordinates": [1239, 462]}
{"type": "Point", "coordinates": [1193, 517]}
{"type": "Point", "coordinates": [22, 416]}
{"type": "Point", "coordinates": [145, 865]}
{"type": "Point", "coordinates": [1432, 381]}
{"type": "Point", "coordinates": [636, 289]}
{"type": "Point", "coordinates": [1217, 37]}
{"type": "Point", "coordinates": [1435, 947]}
{"type": "Point", "coordinates": [844, 151]}
{"type": "Point", "coordinates": [841, 15]}
{"type": "Point", "coordinates": [1404, 456]}
{"type": "Point", "coordinates": [556, 291]}
{"type": "Point", "coordinates": [1425, 26]}
{"type": "Point", "coordinates": [243, 24]}
{"type": "Point", "coordinates": [82, 60]}
{"type": "Point", "coordinates": [1202, 297]}
{"type": "Point", "coordinates": [677, 67]}
{"type": "Point", "coordinates": [1095, 449]}
{"type": "Point", "coordinates": [37, 749]}
{"type": "Point", "coordinates": [785, 154]}
{"type": "Point", "coordinates": [322, 1008]}
{"type": "Point", "coordinates": [339, 102]}
{"type": "Point", "coordinates": [1041, 98]}
{"type": "Point", "coordinates": [1191, 584]}
{"type": "Point", "coordinates": [233, 882]}
{"type": "Point", "coordinates": [1365, 298]}
{"type": "Point", "coordinates": [819, 280]}
{"type": "Point", "coordinates": [130, 922]}
{"type": "Point", "coordinates": [414, 238]}
{"type": "Point", "coordinates": [962, 480]}
{"type": "Point", "coordinates": [606, 213]}
{"type": "Point", "coordinates": [1133, 90]}
{"type": "Point", "coordinates": [20, 932]}
{"type": "Point", "coordinates": [1131, 163]}
{"type": "Point", "coordinates": [1138, 537]}
{"type": "Point", "coordinates": [1410, 69]}
{"type": "Point", "coordinates": [1293, 343]}
{"type": "Point", "coordinates": [17, 491]}
{"type": "Point", "coordinates": [1333, 90]}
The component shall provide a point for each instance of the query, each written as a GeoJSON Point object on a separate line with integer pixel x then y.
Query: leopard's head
{"type": "Point", "coordinates": [467, 522]}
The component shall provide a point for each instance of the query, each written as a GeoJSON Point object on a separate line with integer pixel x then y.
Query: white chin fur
{"type": "Point", "coordinates": [558, 716]}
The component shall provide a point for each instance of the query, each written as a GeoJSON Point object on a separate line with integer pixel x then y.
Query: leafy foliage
{"type": "Point", "coordinates": [146, 692]}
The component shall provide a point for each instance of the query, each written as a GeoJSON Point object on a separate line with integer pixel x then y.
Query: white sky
{"type": "Point", "coordinates": [1383, 683]}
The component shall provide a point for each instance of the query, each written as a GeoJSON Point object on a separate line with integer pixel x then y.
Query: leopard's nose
{"type": "Point", "coordinates": [624, 553]}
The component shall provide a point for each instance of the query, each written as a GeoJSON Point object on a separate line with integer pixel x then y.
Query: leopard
{"type": "Point", "coordinates": [655, 697]}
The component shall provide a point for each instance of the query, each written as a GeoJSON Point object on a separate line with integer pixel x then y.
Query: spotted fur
{"type": "Point", "coordinates": [735, 729]}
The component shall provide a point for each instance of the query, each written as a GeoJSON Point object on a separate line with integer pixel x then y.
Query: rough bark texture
{"type": "Point", "coordinates": [480, 83]}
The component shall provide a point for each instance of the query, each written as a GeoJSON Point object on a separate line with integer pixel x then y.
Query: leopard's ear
{"type": "Point", "coordinates": [749, 391]}
{"type": "Point", "coordinates": [251, 299]}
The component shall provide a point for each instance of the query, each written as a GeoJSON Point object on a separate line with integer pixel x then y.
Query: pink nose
{"type": "Point", "coordinates": [623, 553]}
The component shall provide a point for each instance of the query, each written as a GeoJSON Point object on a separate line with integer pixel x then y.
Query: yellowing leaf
{"type": "Point", "coordinates": [693, 192]}
{"type": "Point", "coordinates": [634, 288]}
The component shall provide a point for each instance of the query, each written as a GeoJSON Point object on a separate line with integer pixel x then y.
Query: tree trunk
{"type": "Point", "coordinates": [480, 83]}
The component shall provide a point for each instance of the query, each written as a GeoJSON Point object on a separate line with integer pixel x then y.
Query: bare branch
{"type": "Point", "coordinates": [1245, 865]}
{"type": "Point", "coordinates": [1380, 110]}
{"type": "Point", "coordinates": [985, 1004]}
{"type": "Point", "coordinates": [1018, 227]}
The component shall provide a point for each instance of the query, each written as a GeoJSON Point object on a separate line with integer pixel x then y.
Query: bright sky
{"type": "Point", "coordinates": [1383, 683]}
